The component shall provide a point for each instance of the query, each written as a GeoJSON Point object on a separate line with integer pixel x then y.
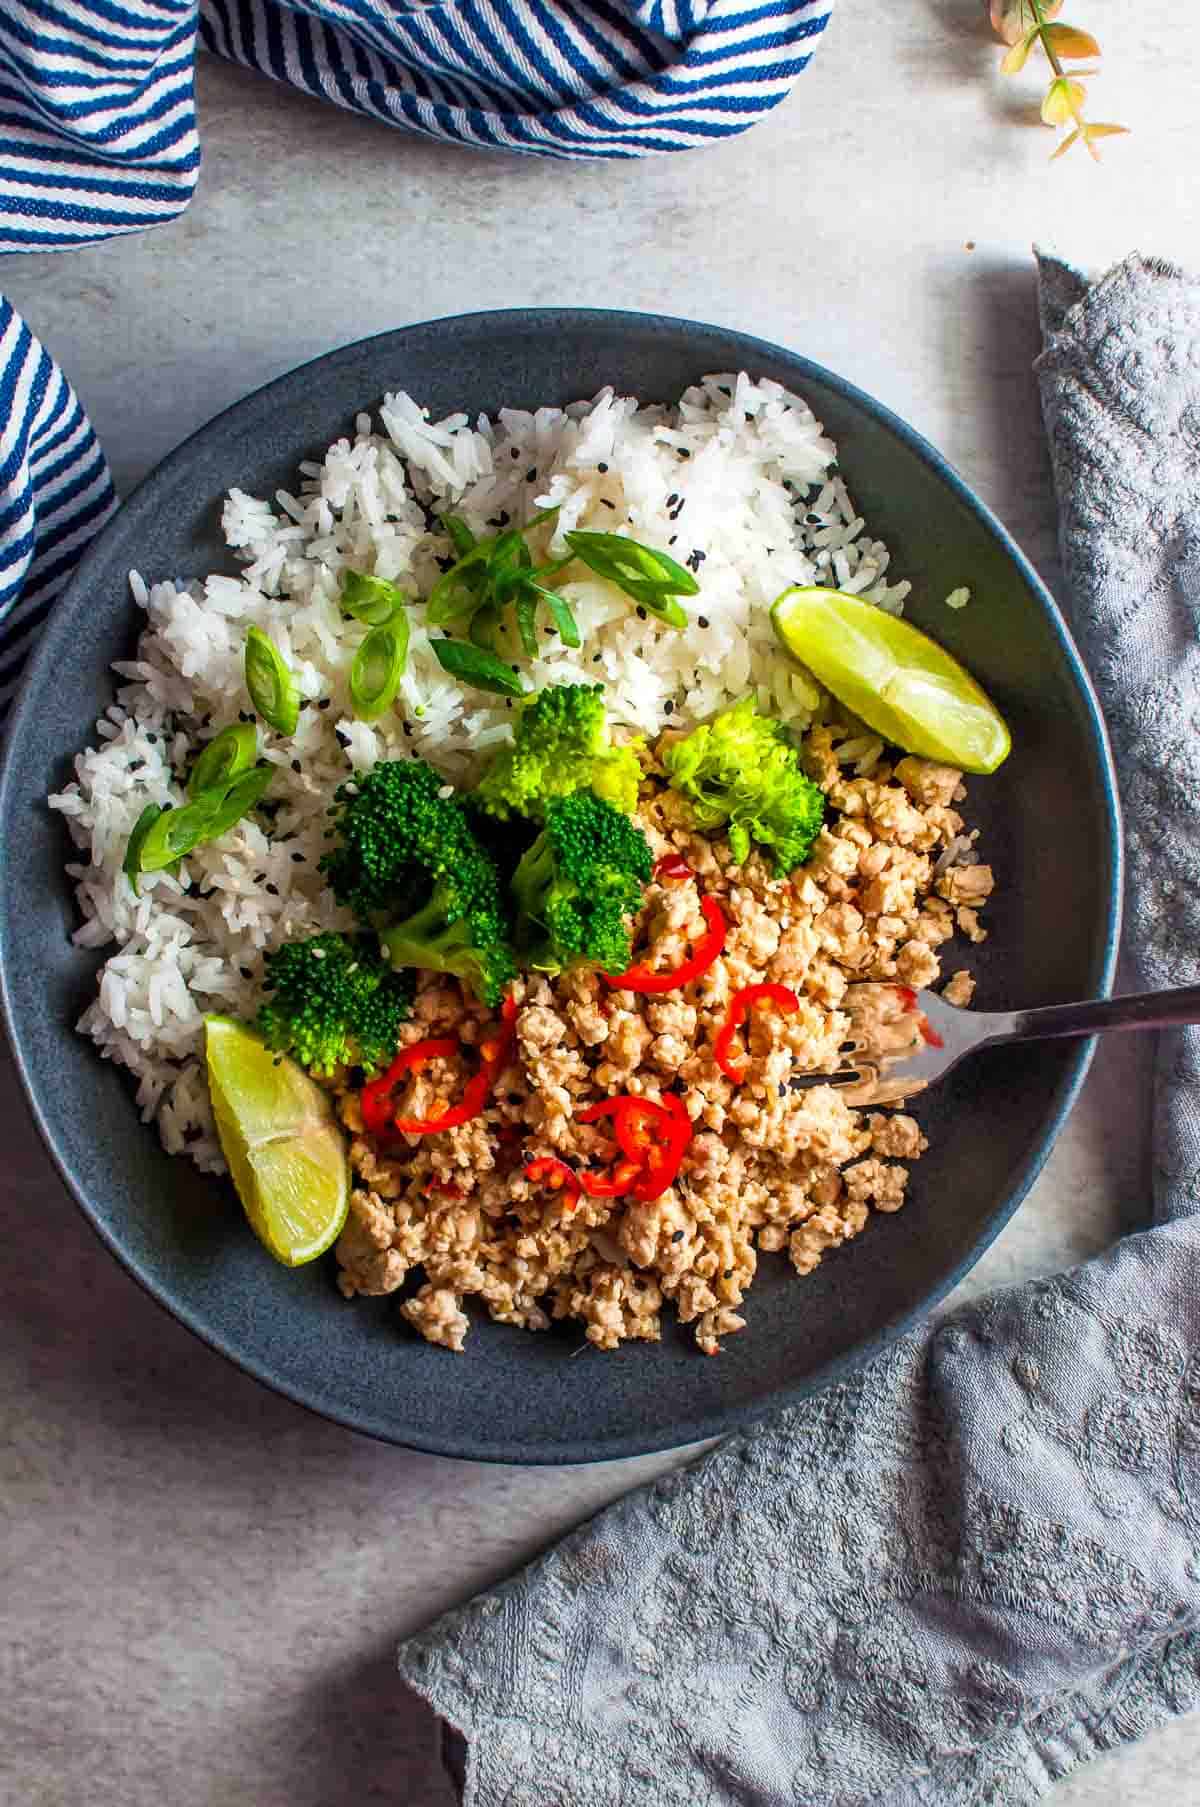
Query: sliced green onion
{"type": "Point", "coordinates": [543, 514]}
{"type": "Point", "coordinates": [271, 685]}
{"type": "Point", "coordinates": [564, 620]}
{"type": "Point", "coordinates": [509, 562]}
{"type": "Point", "coordinates": [458, 533]}
{"type": "Point", "coordinates": [177, 831]}
{"type": "Point", "coordinates": [652, 578]}
{"type": "Point", "coordinates": [161, 839]}
{"type": "Point", "coordinates": [527, 621]}
{"type": "Point", "coordinates": [460, 590]}
{"type": "Point", "coordinates": [378, 668]}
{"type": "Point", "coordinates": [131, 865]}
{"type": "Point", "coordinates": [485, 624]}
{"type": "Point", "coordinates": [237, 801]}
{"type": "Point", "coordinates": [476, 666]}
{"type": "Point", "coordinates": [227, 755]}
{"type": "Point", "coordinates": [371, 600]}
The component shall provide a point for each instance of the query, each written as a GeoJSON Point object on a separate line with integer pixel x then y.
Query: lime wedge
{"type": "Point", "coordinates": [281, 1139]}
{"type": "Point", "coordinates": [895, 678]}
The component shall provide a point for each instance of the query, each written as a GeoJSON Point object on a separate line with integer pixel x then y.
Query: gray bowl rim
{"type": "Point", "coordinates": [747, 350]}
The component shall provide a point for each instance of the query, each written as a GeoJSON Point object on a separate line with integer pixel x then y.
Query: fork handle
{"type": "Point", "coordinates": [1136, 1010]}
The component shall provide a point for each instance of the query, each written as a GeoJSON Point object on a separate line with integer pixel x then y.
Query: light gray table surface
{"type": "Point", "coordinates": [202, 1585]}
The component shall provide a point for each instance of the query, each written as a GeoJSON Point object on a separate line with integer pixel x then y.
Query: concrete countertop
{"type": "Point", "coordinates": [202, 1583]}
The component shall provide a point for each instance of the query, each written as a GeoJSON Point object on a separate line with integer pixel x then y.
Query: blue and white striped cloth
{"type": "Point", "coordinates": [98, 137]}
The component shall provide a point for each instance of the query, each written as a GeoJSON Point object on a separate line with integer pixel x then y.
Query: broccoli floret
{"type": "Point", "coordinates": [741, 772]}
{"type": "Point", "coordinates": [560, 744]}
{"type": "Point", "coordinates": [333, 1002]}
{"type": "Point", "coordinates": [409, 864]}
{"type": "Point", "coordinates": [578, 884]}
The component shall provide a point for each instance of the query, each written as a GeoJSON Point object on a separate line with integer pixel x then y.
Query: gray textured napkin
{"type": "Point", "coordinates": [955, 1576]}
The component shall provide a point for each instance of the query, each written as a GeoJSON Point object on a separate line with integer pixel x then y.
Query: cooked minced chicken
{"type": "Point", "coordinates": [769, 1166]}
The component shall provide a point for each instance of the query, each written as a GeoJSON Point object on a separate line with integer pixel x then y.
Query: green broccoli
{"type": "Point", "coordinates": [408, 863]}
{"type": "Point", "coordinates": [560, 744]}
{"type": "Point", "coordinates": [578, 884]}
{"type": "Point", "coordinates": [741, 772]}
{"type": "Point", "coordinates": [333, 1002]}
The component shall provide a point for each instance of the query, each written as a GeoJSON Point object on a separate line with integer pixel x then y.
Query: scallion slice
{"type": "Point", "coordinates": [378, 668]}
{"type": "Point", "coordinates": [460, 590]}
{"type": "Point", "coordinates": [458, 533]}
{"type": "Point", "coordinates": [238, 801]}
{"type": "Point", "coordinates": [371, 600]}
{"type": "Point", "coordinates": [476, 666]}
{"type": "Point", "coordinates": [651, 577]}
{"type": "Point", "coordinates": [271, 685]}
{"type": "Point", "coordinates": [131, 865]}
{"type": "Point", "coordinates": [177, 831]}
{"type": "Point", "coordinates": [227, 755]}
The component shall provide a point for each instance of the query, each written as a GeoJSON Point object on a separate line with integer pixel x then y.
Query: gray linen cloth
{"type": "Point", "coordinates": [957, 1575]}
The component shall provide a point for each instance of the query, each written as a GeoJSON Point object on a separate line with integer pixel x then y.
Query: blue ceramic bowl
{"type": "Point", "coordinates": [1049, 822]}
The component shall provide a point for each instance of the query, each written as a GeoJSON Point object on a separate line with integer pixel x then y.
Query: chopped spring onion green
{"type": "Point", "coordinates": [238, 800]}
{"type": "Point", "coordinates": [526, 612]}
{"type": "Point", "coordinates": [458, 533]}
{"type": "Point", "coordinates": [176, 832]}
{"type": "Point", "coordinates": [227, 755]}
{"type": "Point", "coordinates": [560, 610]}
{"type": "Point", "coordinates": [652, 578]}
{"type": "Point", "coordinates": [476, 666]}
{"type": "Point", "coordinates": [271, 685]}
{"type": "Point", "coordinates": [131, 865]}
{"type": "Point", "coordinates": [162, 836]}
{"type": "Point", "coordinates": [371, 600]}
{"type": "Point", "coordinates": [378, 668]}
{"type": "Point", "coordinates": [460, 590]}
{"type": "Point", "coordinates": [485, 624]}
{"type": "Point", "coordinates": [489, 575]}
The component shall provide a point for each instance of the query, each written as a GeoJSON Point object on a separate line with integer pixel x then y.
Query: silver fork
{"type": "Point", "coordinates": [903, 1041]}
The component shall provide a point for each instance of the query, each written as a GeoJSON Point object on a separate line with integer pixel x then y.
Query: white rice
{"type": "Point", "coordinates": [738, 479]}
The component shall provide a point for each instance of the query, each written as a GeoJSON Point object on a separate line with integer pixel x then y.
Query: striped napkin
{"type": "Point", "coordinates": [98, 137]}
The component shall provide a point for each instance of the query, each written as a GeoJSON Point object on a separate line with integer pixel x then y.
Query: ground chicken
{"type": "Point", "coordinates": [770, 1165]}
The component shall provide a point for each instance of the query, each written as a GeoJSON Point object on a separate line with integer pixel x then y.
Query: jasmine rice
{"type": "Point", "coordinates": [737, 481]}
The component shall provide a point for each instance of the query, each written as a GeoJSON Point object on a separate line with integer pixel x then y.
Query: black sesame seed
{"type": "Point", "coordinates": [672, 539]}
{"type": "Point", "coordinates": [641, 613]}
{"type": "Point", "coordinates": [602, 468]}
{"type": "Point", "coordinates": [245, 972]}
{"type": "Point", "coordinates": [324, 702]}
{"type": "Point", "coordinates": [678, 1236]}
{"type": "Point", "coordinates": [272, 890]}
{"type": "Point", "coordinates": [668, 707]}
{"type": "Point", "coordinates": [515, 451]}
{"type": "Point", "coordinates": [672, 498]}
{"type": "Point", "coordinates": [531, 474]}
{"type": "Point", "coordinates": [702, 620]}
{"type": "Point", "coordinates": [296, 766]}
{"type": "Point", "coordinates": [729, 1273]}
{"type": "Point", "coordinates": [298, 858]}
{"type": "Point", "coordinates": [259, 878]}
{"type": "Point", "coordinates": [596, 658]}
{"type": "Point", "coordinates": [135, 765]}
{"type": "Point", "coordinates": [407, 727]}
{"type": "Point", "coordinates": [683, 451]}
{"type": "Point", "coordinates": [607, 503]}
